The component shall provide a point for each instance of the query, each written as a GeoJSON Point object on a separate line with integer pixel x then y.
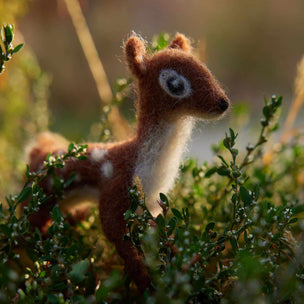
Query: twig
{"type": "Point", "coordinates": [193, 261]}
{"type": "Point", "coordinates": [277, 248]}
{"type": "Point", "coordinates": [119, 125]}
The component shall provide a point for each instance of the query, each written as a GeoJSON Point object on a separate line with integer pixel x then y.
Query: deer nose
{"type": "Point", "coordinates": [223, 103]}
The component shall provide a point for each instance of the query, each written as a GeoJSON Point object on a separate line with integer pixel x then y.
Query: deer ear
{"type": "Point", "coordinates": [180, 42]}
{"type": "Point", "coordinates": [135, 52]}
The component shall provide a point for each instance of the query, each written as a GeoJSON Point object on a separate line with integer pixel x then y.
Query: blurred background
{"type": "Point", "coordinates": [252, 47]}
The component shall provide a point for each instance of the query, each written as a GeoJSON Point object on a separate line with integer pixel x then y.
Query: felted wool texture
{"type": "Point", "coordinates": [159, 157]}
{"type": "Point", "coordinates": [164, 124]}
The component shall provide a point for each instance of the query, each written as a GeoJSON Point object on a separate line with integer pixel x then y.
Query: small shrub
{"type": "Point", "coordinates": [23, 100]}
{"type": "Point", "coordinates": [231, 231]}
{"type": "Point", "coordinates": [231, 234]}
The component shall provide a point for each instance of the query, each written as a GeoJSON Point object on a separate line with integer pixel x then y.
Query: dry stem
{"type": "Point", "coordinates": [296, 104]}
{"type": "Point", "coordinates": [118, 123]}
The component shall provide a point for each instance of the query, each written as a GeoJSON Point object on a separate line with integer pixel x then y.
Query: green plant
{"type": "Point", "coordinates": [54, 267]}
{"type": "Point", "coordinates": [231, 231]}
{"type": "Point", "coordinates": [232, 239]}
{"type": "Point", "coordinates": [228, 236]}
{"type": "Point", "coordinates": [7, 36]}
{"type": "Point", "coordinates": [23, 113]}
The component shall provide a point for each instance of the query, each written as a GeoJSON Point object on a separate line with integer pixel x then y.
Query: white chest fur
{"type": "Point", "coordinates": [158, 160]}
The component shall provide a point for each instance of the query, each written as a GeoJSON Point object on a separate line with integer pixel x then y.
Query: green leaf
{"type": "Point", "coordinates": [2, 215]}
{"type": "Point", "coordinates": [78, 271]}
{"type": "Point", "coordinates": [298, 209]}
{"type": "Point", "coordinates": [164, 199]}
{"type": "Point", "coordinates": [234, 152]}
{"type": "Point", "coordinates": [210, 172]}
{"type": "Point", "coordinates": [227, 142]}
{"type": "Point", "coordinates": [210, 226]}
{"type": "Point", "coordinates": [223, 160]}
{"type": "Point", "coordinates": [293, 220]}
{"type": "Point", "coordinates": [279, 101]}
{"type": "Point", "coordinates": [21, 294]}
{"type": "Point", "coordinates": [56, 214]}
{"type": "Point", "coordinates": [101, 294]}
{"type": "Point", "coordinates": [160, 221]}
{"type": "Point", "coordinates": [52, 299]}
{"type": "Point", "coordinates": [17, 48]}
{"type": "Point", "coordinates": [113, 281]}
{"type": "Point", "coordinates": [177, 213]}
{"type": "Point", "coordinates": [236, 173]}
{"type": "Point", "coordinates": [256, 191]}
{"type": "Point", "coordinates": [234, 198]}
{"type": "Point", "coordinates": [186, 215]}
{"type": "Point", "coordinates": [223, 275]}
{"type": "Point", "coordinates": [127, 214]}
{"type": "Point", "coordinates": [42, 274]}
{"type": "Point", "coordinates": [245, 236]}
{"type": "Point", "coordinates": [48, 156]}
{"type": "Point", "coordinates": [234, 244]}
{"type": "Point", "coordinates": [71, 147]}
{"type": "Point", "coordinates": [245, 196]}
{"type": "Point", "coordinates": [160, 42]}
{"type": "Point", "coordinates": [221, 239]}
{"type": "Point", "coordinates": [223, 171]}
{"type": "Point", "coordinates": [24, 194]}
{"type": "Point", "coordinates": [172, 224]}
{"type": "Point", "coordinates": [6, 230]}
{"type": "Point", "coordinates": [266, 112]}
{"type": "Point", "coordinates": [8, 32]}
{"type": "Point", "coordinates": [81, 148]}
{"type": "Point", "coordinates": [232, 134]}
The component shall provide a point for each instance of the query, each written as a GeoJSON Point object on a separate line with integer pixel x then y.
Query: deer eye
{"type": "Point", "coordinates": [174, 84]}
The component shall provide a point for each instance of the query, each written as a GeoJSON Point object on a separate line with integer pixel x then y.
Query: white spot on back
{"type": "Point", "coordinates": [98, 154]}
{"type": "Point", "coordinates": [107, 169]}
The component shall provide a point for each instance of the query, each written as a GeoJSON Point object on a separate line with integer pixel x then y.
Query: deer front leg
{"type": "Point", "coordinates": [134, 264]}
{"type": "Point", "coordinates": [114, 227]}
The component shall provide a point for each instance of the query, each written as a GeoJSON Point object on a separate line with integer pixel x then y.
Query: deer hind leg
{"type": "Point", "coordinates": [52, 143]}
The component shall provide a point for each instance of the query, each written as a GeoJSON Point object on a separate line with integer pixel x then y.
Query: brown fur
{"type": "Point", "coordinates": [112, 171]}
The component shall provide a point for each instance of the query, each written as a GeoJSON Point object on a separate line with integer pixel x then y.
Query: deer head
{"type": "Point", "coordinates": [172, 83]}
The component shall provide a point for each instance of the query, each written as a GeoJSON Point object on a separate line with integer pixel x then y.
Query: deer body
{"type": "Point", "coordinates": [174, 88]}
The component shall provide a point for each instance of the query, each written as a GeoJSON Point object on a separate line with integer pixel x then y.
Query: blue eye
{"type": "Point", "coordinates": [174, 84]}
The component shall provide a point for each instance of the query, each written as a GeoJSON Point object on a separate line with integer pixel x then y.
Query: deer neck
{"type": "Point", "coordinates": [161, 146]}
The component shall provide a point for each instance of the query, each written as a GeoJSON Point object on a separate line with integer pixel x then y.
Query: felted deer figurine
{"type": "Point", "coordinates": [174, 88]}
